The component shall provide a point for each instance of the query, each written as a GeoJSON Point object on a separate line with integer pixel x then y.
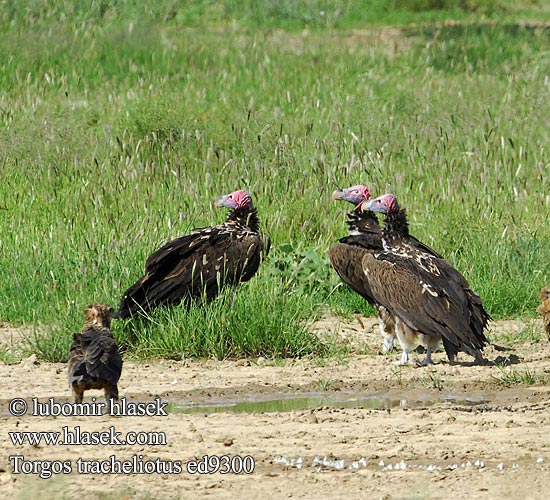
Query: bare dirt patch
{"type": "Point", "coordinates": [441, 449]}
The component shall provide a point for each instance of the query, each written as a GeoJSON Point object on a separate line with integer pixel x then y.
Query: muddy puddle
{"type": "Point", "coordinates": [304, 401]}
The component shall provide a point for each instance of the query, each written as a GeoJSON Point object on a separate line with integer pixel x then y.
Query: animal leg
{"type": "Point", "coordinates": [402, 332]}
{"type": "Point", "coordinates": [78, 394]}
{"type": "Point", "coordinates": [388, 343]}
{"type": "Point", "coordinates": [476, 353]}
{"type": "Point", "coordinates": [386, 324]}
{"type": "Point", "coordinates": [111, 392]}
{"type": "Point", "coordinates": [404, 357]}
{"type": "Point", "coordinates": [428, 361]}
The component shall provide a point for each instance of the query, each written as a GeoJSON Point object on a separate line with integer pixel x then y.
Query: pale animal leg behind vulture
{"type": "Point", "coordinates": [410, 339]}
{"type": "Point", "coordinates": [386, 324]}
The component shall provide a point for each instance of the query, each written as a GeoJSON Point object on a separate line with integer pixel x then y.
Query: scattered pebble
{"type": "Point", "coordinates": [319, 463]}
{"type": "Point", "coordinates": [540, 460]}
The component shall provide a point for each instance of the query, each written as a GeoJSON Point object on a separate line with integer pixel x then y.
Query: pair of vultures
{"type": "Point", "coordinates": [420, 298]}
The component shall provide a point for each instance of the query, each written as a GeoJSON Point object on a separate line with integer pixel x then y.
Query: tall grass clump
{"type": "Point", "coordinates": [121, 122]}
{"type": "Point", "coordinates": [257, 320]}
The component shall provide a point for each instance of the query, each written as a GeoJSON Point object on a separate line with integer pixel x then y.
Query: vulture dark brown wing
{"type": "Point", "coordinates": [175, 249]}
{"type": "Point", "coordinates": [195, 266]}
{"type": "Point", "coordinates": [426, 302]}
{"type": "Point", "coordinates": [429, 262]}
{"type": "Point", "coordinates": [345, 256]}
{"type": "Point", "coordinates": [346, 260]}
{"type": "Point", "coordinates": [94, 356]}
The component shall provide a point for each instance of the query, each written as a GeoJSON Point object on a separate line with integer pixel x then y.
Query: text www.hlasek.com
{"type": "Point", "coordinates": [76, 436]}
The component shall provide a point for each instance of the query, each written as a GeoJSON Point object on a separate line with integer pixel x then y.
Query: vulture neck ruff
{"type": "Point", "coordinates": [245, 216]}
{"type": "Point", "coordinates": [361, 222]}
{"type": "Point", "coordinates": [396, 226]}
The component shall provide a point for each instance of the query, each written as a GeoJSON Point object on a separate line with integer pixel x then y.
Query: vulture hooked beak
{"type": "Point", "coordinates": [345, 194]}
{"type": "Point", "coordinates": [339, 194]}
{"type": "Point", "coordinates": [375, 205]}
{"type": "Point", "coordinates": [366, 205]}
{"type": "Point", "coordinates": [222, 202]}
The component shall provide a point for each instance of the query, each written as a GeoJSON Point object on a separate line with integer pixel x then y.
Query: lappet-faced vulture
{"type": "Point", "coordinates": [365, 236]}
{"type": "Point", "coordinates": [429, 298]}
{"type": "Point", "coordinates": [199, 265]}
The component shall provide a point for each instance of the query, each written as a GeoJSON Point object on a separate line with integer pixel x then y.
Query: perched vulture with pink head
{"type": "Point", "coordinates": [429, 298]}
{"type": "Point", "coordinates": [365, 236]}
{"type": "Point", "coordinates": [199, 265]}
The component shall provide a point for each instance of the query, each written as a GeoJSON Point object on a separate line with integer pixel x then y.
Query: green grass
{"type": "Point", "coordinates": [531, 333]}
{"type": "Point", "coordinates": [121, 122]}
{"type": "Point", "coordinates": [509, 377]}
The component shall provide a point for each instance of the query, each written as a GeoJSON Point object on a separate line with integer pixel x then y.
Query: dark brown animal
{"type": "Point", "coordinates": [425, 293]}
{"type": "Point", "coordinates": [544, 309]}
{"type": "Point", "coordinates": [365, 235]}
{"type": "Point", "coordinates": [94, 359]}
{"type": "Point", "coordinates": [199, 265]}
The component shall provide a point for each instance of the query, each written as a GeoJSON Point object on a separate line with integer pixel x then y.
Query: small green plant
{"type": "Point", "coordinates": [432, 381]}
{"type": "Point", "coordinates": [397, 374]}
{"type": "Point", "coordinates": [7, 356]}
{"type": "Point", "coordinates": [325, 384]}
{"type": "Point", "coordinates": [510, 377]}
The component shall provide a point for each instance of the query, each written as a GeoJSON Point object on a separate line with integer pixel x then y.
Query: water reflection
{"type": "Point", "coordinates": [291, 402]}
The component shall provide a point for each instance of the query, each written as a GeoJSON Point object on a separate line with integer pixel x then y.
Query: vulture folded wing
{"type": "Point", "coordinates": [175, 249]}
{"type": "Point", "coordinates": [442, 271]}
{"type": "Point", "coordinates": [429, 303]}
{"type": "Point", "coordinates": [346, 260]}
{"type": "Point", "coordinates": [194, 266]}
{"type": "Point", "coordinates": [423, 247]}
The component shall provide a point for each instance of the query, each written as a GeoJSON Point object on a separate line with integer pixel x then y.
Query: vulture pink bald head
{"type": "Point", "coordinates": [385, 204]}
{"type": "Point", "coordinates": [354, 194]}
{"type": "Point", "coordinates": [236, 199]}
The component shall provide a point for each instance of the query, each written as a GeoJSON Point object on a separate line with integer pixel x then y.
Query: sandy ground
{"type": "Point", "coordinates": [439, 432]}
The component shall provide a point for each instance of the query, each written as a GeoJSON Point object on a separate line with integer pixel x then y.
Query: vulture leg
{"type": "Point", "coordinates": [431, 343]}
{"type": "Point", "coordinates": [476, 353]}
{"type": "Point", "coordinates": [428, 361]}
{"type": "Point", "coordinates": [451, 351]}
